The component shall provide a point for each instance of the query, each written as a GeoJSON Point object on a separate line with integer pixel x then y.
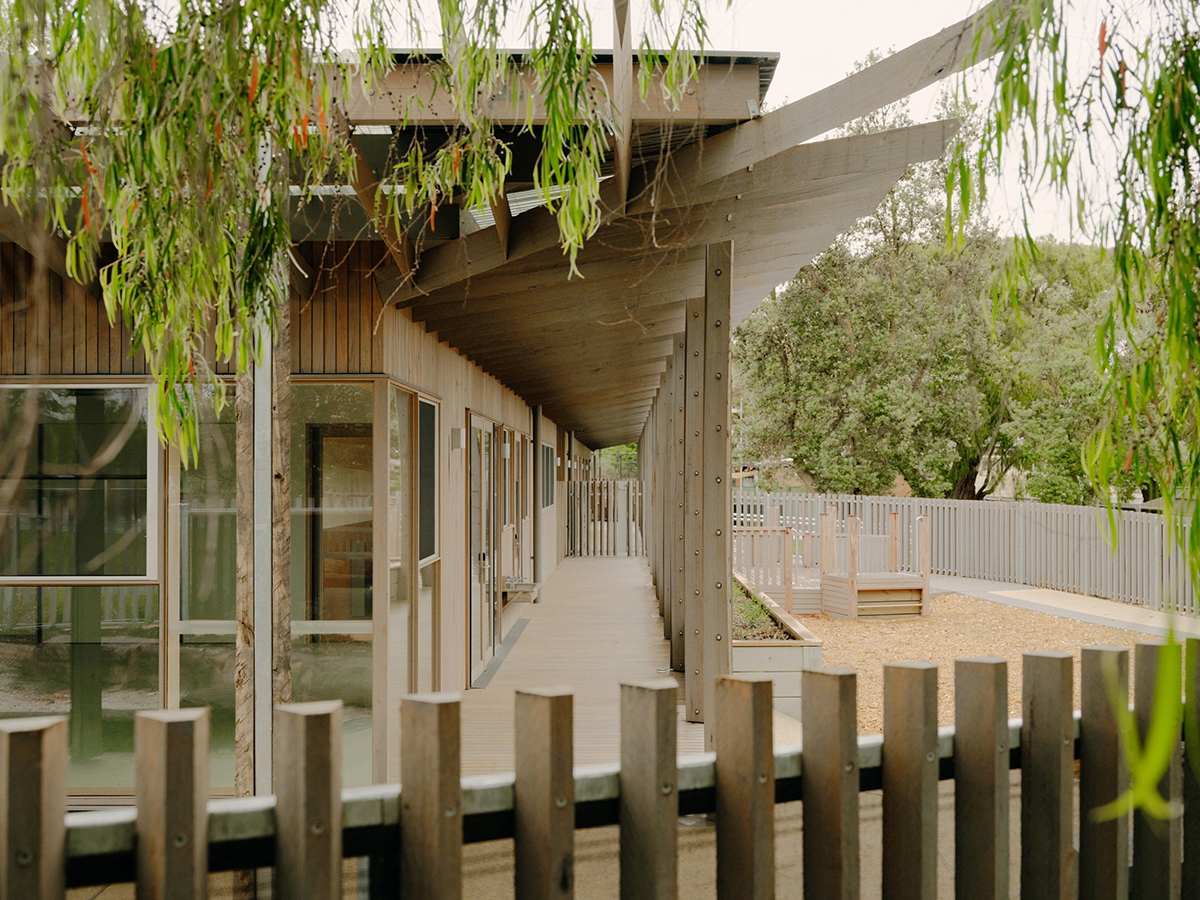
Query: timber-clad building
{"type": "Point", "coordinates": [372, 506]}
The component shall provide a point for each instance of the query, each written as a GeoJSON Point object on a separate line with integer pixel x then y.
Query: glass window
{"type": "Point", "coordinates": [427, 627]}
{"type": "Point", "coordinates": [332, 485]}
{"type": "Point", "coordinates": [81, 501]}
{"type": "Point", "coordinates": [207, 525]}
{"type": "Point", "coordinates": [547, 475]}
{"type": "Point", "coordinates": [332, 550]}
{"type": "Point", "coordinates": [400, 536]}
{"type": "Point", "coordinates": [427, 460]}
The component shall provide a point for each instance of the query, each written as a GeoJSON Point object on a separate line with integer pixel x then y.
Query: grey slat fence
{"type": "Point", "coordinates": [1066, 548]}
{"type": "Point", "coordinates": [176, 835]}
{"type": "Point", "coordinates": [604, 517]}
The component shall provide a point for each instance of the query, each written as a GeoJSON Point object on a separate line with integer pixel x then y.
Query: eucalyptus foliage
{"type": "Point", "coordinates": [164, 142]}
{"type": "Point", "coordinates": [1100, 105]}
{"type": "Point", "coordinates": [1114, 130]}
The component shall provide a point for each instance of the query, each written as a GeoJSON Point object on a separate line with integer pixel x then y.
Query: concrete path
{"type": "Point", "coordinates": [1072, 606]}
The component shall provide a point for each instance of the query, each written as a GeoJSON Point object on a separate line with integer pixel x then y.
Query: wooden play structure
{"type": "Point", "coordinates": [855, 584]}
{"type": "Point", "coordinates": [843, 575]}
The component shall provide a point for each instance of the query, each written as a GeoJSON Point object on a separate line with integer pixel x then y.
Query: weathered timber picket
{"type": "Point", "coordinates": [173, 836]}
{"type": "Point", "coordinates": [605, 517]}
{"type": "Point", "coordinates": [1065, 548]}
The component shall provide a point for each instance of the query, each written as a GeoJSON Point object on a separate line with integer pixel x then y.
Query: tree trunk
{"type": "Point", "coordinates": [965, 474]}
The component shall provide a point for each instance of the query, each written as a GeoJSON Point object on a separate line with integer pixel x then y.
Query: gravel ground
{"type": "Point", "coordinates": [957, 627]}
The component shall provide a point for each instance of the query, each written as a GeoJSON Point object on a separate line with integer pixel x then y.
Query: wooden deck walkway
{"type": "Point", "coordinates": [596, 626]}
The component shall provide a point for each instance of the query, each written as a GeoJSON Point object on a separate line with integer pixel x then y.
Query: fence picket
{"type": "Point", "coordinates": [829, 722]}
{"type": "Point", "coordinates": [910, 780]}
{"type": "Point", "coordinates": [544, 795]}
{"type": "Point", "coordinates": [171, 750]}
{"type": "Point", "coordinates": [431, 802]}
{"type": "Point", "coordinates": [1103, 776]}
{"type": "Point", "coordinates": [981, 764]}
{"type": "Point", "coordinates": [649, 801]}
{"type": "Point", "coordinates": [745, 789]}
{"type": "Point", "coordinates": [33, 806]}
{"type": "Point", "coordinates": [1191, 785]}
{"type": "Point", "coordinates": [1047, 770]}
{"type": "Point", "coordinates": [308, 801]}
{"type": "Point", "coordinates": [1157, 846]}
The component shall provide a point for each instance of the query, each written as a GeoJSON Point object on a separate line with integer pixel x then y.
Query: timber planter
{"type": "Point", "coordinates": [783, 659]}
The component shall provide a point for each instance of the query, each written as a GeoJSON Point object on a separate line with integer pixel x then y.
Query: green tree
{"type": "Point", "coordinates": [884, 363]}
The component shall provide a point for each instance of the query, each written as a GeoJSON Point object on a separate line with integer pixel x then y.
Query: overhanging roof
{"type": "Point", "coordinates": [592, 349]}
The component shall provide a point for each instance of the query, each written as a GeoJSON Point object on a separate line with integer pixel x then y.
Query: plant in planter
{"type": "Point", "coordinates": [769, 641]}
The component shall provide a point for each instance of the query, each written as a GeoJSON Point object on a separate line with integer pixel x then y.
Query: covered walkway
{"type": "Point", "coordinates": [597, 625]}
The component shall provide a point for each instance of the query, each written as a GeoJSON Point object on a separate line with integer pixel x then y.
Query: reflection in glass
{"type": "Point", "coordinates": [331, 485]}
{"type": "Point", "coordinates": [479, 524]}
{"type": "Point", "coordinates": [88, 653]}
{"type": "Point", "coordinates": [80, 506]}
{"type": "Point", "coordinates": [427, 457]}
{"type": "Point", "coordinates": [208, 581]}
{"type": "Point", "coordinates": [332, 546]}
{"type": "Point", "coordinates": [339, 669]}
{"type": "Point", "coordinates": [400, 570]}
{"type": "Point", "coordinates": [427, 604]}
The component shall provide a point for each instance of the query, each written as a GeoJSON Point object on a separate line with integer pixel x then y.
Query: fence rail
{"type": "Point", "coordinates": [1066, 548]}
{"type": "Point", "coordinates": [604, 517]}
{"type": "Point", "coordinates": [413, 836]}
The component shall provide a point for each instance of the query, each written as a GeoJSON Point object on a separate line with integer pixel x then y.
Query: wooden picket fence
{"type": "Point", "coordinates": [604, 517]}
{"type": "Point", "coordinates": [1065, 548]}
{"type": "Point", "coordinates": [413, 836]}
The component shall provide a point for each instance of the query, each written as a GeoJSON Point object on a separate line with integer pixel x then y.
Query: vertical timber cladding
{"type": "Point", "coordinates": [674, 501]}
{"type": "Point", "coordinates": [707, 457]}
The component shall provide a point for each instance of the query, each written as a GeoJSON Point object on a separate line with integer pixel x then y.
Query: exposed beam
{"type": "Point", "coordinates": [889, 80]}
{"type": "Point", "coordinates": [892, 78]}
{"type": "Point", "coordinates": [622, 100]}
{"type": "Point", "coordinates": [502, 213]}
{"type": "Point", "coordinates": [377, 207]}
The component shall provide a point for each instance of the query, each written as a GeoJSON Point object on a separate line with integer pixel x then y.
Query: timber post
{"type": "Point", "coordinates": [717, 511]}
{"type": "Point", "coordinates": [693, 499]}
{"type": "Point", "coordinates": [675, 499]}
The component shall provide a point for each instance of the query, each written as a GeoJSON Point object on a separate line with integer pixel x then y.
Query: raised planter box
{"type": "Point", "coordinates": [782, 660]}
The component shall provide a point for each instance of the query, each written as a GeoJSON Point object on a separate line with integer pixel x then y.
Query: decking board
{"type": "Point", "coordinates": [596, 626]}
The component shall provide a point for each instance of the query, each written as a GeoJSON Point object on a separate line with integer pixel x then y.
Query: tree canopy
{"type": "Point", "coordinates": [164, 142]}
{"type": "Point", "coordinates": [877, 364]}
{"type": "Point", "coordinates": [888, 357]}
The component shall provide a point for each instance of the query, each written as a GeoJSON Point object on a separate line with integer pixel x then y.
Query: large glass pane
{"type": "Point", "coordinates": [331, 496]}
{"type": "Point", "coordinates": [208, 581]}
{"type": "Point", "coordinates": [332, 528]}
{"type": "Point", "coordinates": [338, 667]}
{"type": "Point", "coordinates": [400, 550]}
{"type": "Point", "coordinates": [208, 519]}
{"type": "Point", "coordinates": [80, 501]}
{"type": "Point", "coordinates": [427, 481]}
{"type": "Point", "coordinates": [427, 610]}
{"type": "Point", "coordinates": [88, 653]}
